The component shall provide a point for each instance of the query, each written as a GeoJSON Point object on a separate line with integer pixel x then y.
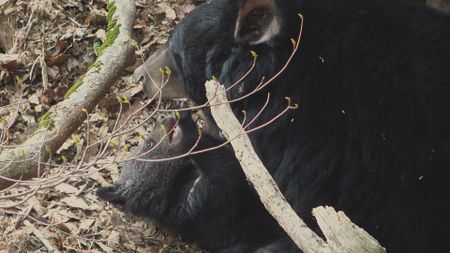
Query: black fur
{"type": "Point", "coordinates": [204, 197]}
{"type": "Point", "coordinates": [372, 137]}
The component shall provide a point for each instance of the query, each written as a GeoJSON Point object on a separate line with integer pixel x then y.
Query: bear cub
{"type": "Point", "coordinates": [201, 196]}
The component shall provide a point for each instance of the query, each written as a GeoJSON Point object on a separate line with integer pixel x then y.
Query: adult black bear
{"type": "Point", "coordinates": [203, 197]}
{"type": "Point", "coordinates": [372, 137]}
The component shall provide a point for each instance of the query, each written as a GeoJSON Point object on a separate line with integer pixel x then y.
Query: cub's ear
{"type": "Point", "coordinates": [258, 22]}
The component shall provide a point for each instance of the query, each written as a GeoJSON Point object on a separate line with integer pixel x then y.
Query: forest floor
{"type": "Point", "coordinates": [51, 44]}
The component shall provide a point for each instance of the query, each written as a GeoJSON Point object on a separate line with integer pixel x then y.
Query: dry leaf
{"type": "Point", "coordinates": [75, 202]}
{"type": "Point", "coordinates": [9, 62]}
{"type": "Point", "coordinates": [44, 241]}
{"type": "Point", "coordinates": [86, 224]}
{"type": "Point", "coordinates": [36, 203]}
{"type": "Point", "coordinates": [56, 60]}
{"type": "Point", "coordinates": [104, 247]}
{"type": "Point", "coordinates": [170, 13]}
{"type": "Point", "coordinates": [101, 34]}
{"type": "Point", "coordinates": [114, 238]}
{"type": "Point", "coordinates": [96, 176]}
{"type": "Point", "coordinates": [95, 17]}
{"type": "Point", "coordinates": [66, 188]}
{"type": "Point", "coordinates": [63, 227]}
{"type": "Point", "coordinates": [34, 99]}
{"type": "Point", "coordinates": [183, 10]}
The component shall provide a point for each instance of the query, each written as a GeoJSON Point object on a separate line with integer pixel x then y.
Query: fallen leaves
{"type": "Point", "coordinates": [66, 188]}
{"type": "Point", "coordinates": [169, 12]}
{"type": "Point", "coordinates": [9, 62]}
{"type": "Point", "coordinates": [75, 202]}
{"type": "Point", "coordinates": [48, 44]}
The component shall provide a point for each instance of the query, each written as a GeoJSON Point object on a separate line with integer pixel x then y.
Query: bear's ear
{"type": "Point", "coordinates": [258, 22]}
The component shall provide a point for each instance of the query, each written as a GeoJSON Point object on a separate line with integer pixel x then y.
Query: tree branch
{"type": "Point", "coordinates": [342, 235]}
{"type": "Point", "coordinates": [256, 173]}
{"type": "Point", "coordinates": [25, 161]}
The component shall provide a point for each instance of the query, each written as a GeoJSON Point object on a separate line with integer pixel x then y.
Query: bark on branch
{"type": "Point", "coordinates": [25, 161]}
{"type": "Point", "coordinates": [342, 235]}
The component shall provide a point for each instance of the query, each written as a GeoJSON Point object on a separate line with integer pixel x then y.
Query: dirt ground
{"type": "Point", "coordinates": [51, 43]}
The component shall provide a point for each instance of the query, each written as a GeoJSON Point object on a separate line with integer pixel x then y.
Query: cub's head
{"type": "Point", "coordinates": [174, 192]}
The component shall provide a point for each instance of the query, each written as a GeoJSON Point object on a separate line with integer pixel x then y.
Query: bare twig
{"type": "Point", "coordinates": [256, 173]}
{"type": "Point", "coordinates": [342, 235]}
{"type": "Point", "coordinates": [68, 115]}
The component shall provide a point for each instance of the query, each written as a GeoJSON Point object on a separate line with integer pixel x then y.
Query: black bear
{"type": "Point", "coordinates": [372, 137]}
{"type": "Point", "coordinates": [203, 197]}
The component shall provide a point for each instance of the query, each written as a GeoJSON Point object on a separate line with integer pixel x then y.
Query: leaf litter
{"type": "Point", "coordinates": [45, 46]}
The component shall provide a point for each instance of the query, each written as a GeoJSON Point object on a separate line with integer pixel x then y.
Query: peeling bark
{"type": "Point", "coordinates": [344, 236]}
{"type": "Point", "coordinates": [341, 234]}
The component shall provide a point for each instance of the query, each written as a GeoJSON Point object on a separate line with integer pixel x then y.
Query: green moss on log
{"type": "Point", "coordinates": [112, 30]}
{"type": "Point", "coordinates": [74, 87]}
{"type": "Point", "coordinates": [95, 65]}
{"type": "Point", "coordinates": [111, 7]}
{"type": "Point", "coordinates": [45, 121]}
{"type": "Point", "coordinates": [111, 36]}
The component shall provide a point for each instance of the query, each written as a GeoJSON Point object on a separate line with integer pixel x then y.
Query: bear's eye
{"type": "Point", "coordinates": [148, 144]}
